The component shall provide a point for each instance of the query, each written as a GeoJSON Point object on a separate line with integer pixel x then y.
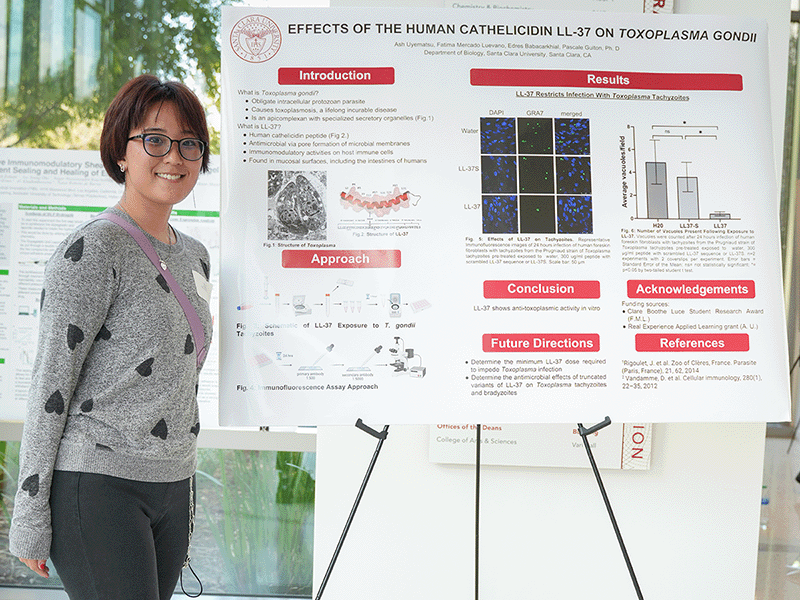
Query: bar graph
{"type": "Point", "coordinates": [673, 189]}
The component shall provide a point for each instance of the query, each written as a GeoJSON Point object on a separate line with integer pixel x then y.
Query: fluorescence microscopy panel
{"type": "Point", "coordinates": [535, 136]}
{"type": "Point", "coordinates": [572, 136]}
{"type": "Point", "coordinates": [498, 135]}
{"type": "Point", "coordinates": [536, 175]}
{"type": "Point", "coordinates": [500, 214]}
{"type": "Point", "coordinates": [573, 175]}
{"type": "Point", "coordinates": [499, 174]}
{"type": "Point", "coordinates": [574, 214]}
{"type": "Point", "coordinates": [537, 214]}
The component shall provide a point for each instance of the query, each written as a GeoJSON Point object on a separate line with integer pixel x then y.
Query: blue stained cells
{"type": "Point", "coordinates": [574, 214]}
{"type": "Point", "coordinates": [499, 174]}
{"type": "Point", "coordinates": [498, 136]}
{"type": "Point", "coordinates": [500, 214]}
{"type": "Point", "coordinates": [536, 175]}
{"type": "Point", "coordinates": [573, 175]}
{"type": "Point", "coordinates": [572, 136]}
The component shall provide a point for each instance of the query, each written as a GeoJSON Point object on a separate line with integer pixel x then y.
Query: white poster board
{"type": "Point", "coordinates": [44, 195]}
{"type": "Point", "coordinates": [625, 446]}
{"type": "Point", "coordinates": [447, 216]}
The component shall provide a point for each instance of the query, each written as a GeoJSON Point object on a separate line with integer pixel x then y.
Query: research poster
{"type": "Point", "coordinates": [497, 216]}
{"type": "Point", "coordinates": [44, 195]}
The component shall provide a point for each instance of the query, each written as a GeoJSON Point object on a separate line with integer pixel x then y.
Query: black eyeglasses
{"type": "Point", "coordinates": [157, 144]}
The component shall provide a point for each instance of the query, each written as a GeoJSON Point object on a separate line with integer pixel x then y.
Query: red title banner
{"type": "Point", "coordinates": [336, 76]}
{"type": "Point", "coordinates": [682, 288]}
{"type": "Point", "coordinates": [341, 259]}
{"type": "Point", "coordinates": [540, 289]}
{"type": "Point", "coordinates": [692, 342]}
{"type": "Point", "coordinates": [541, 342]}
{"type": "Point", "coordinates": [607, 79]}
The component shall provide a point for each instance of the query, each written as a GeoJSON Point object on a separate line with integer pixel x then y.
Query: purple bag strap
{"type": "Point", "coordinates": [198, 331]}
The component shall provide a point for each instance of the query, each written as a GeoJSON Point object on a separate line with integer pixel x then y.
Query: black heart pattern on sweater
{"type": "Point", "coordinates": [160, 430]}
{"type": "Point", "coordinates": [74, 336]}
{"type": "Point", "coordinates": [75, 251]}
{"type": "Point", "coordinates": [146, 368]}
{"type": "Point", "coordinates": [188, 346]}
{"type": "Point", "coordinates": [31, 485]}
{"type": "Point", "coordinates": [206, 269]}
{"type": "Point", "coordinates": [103, 334]}
{"type": "Point", "coordinates": [162, 282]}
{"type": "Point", "coordinates": [196, 429]}
{"type": "Point", "coordinates": [55, 403]}
{"type": "Point", "coordinates": [87, 405]}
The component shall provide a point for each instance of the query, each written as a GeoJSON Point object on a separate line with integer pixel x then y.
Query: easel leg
{"type": "Point", "coordinates": [477, 509]}
{"type": "Point", "coordinates": [584, 432]}
{"type": "Point", "coordinates": [381, 436]}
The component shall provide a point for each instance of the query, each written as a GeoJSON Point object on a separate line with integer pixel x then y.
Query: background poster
{"type": "Point", "coordinates": [497, 217]}
{"type": "Point", "coordinates": [44, 196]}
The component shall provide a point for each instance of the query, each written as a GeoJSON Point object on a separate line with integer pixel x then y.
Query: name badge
{"type": "Point", "coordinates": [203, 286]}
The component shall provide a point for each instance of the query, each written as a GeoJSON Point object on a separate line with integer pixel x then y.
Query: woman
{"type": "Point", "coordinates": [109, 445]}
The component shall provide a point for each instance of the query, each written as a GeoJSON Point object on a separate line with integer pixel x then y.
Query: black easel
{"type": "Point", "coordinates": [584, 432]}
{"type": "Point", "coordinates": [477, 508]}
{"type": "Point", "coordinates": [381, 436]}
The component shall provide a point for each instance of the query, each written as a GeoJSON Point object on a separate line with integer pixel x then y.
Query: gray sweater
{"type": "Point", "coordinates": [114, 385]}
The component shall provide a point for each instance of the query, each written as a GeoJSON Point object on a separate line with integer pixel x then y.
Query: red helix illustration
{"type": "Point", "coordinates": [378, 204]}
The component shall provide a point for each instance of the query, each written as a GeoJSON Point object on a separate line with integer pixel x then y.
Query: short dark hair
{"type": "Point", "coordinates": [129, 109]}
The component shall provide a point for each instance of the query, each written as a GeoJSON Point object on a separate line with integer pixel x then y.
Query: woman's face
{"type": "Point", "coordinates": [159, 182]}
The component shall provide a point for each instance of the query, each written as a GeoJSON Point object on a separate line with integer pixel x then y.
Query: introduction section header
{"type": "Point", "coordinates": [336, 76]}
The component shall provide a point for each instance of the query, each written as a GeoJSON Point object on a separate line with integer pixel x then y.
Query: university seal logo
{"type": "Point", "coordinates": [255, 38]}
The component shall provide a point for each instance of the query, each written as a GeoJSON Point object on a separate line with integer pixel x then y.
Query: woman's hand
{"type": "Point", "coordinates": [37, 566]}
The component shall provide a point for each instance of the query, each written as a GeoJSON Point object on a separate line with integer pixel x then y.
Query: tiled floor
{"type": "Point", "coordinates": [778, 574]}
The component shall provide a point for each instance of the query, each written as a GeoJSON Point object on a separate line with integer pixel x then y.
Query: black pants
{"type": "Point", "coordinates": [116, 539]}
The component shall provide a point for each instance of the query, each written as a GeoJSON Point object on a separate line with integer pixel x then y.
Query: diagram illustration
{"type": "Point", "coordinates": [535, 175]}
{"type": "Point", "coordinates": [673, 188]}
{"type": "Point", "coordinates": [378, 204]}
{"type": "Point", "coordinates": [296, 205]}
{"type": "Point", "coordinates": [402, 358]}
{"type": "Point", "coordinates": [392, 359]}
{"type": "Point", "coordinates": [342, 299]}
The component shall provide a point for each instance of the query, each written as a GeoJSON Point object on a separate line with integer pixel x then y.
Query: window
{"type": "Point", "coordinates": [254, 524]}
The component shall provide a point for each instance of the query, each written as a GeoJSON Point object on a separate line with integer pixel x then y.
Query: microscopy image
{"type": "Point", "coordinates": [535, 136]}
{"type": "Point", "coordinates": [573, 175]}
{"type": "Point", "coordinates": [499, 174]}
{"type": "Point", "coordinates": [500, 214]}
{"type": "Point", "coordinates": [537, 214]}
{"type": "Point", "coordinates": [572, 136]}
{"type": "Point", "coordinates": [274, 182]}
{"type": "Point", "coordinates": [574, 214]}
{"type": "Point", "coordinates": [536, 175]}
{"type": "Point", "coordinates": [498, 136]}
{"type": "Point", "coordinates": [296, 205]}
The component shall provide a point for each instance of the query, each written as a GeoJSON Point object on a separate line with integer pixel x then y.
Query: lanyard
{"type": "Point", "coordinates": [198, 331]}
